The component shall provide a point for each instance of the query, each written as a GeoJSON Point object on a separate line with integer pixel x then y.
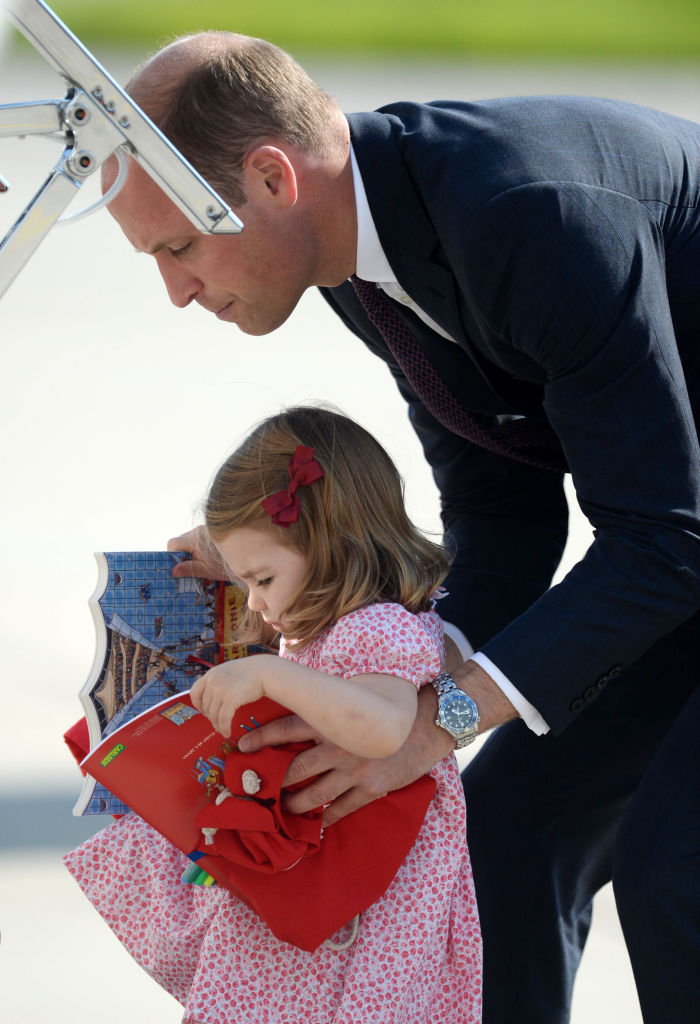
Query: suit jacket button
{"type": "Point", "coordinates": [614, 671]}
{"type": "Point", "coordinates": [576, 705]}
{"type": "Point", "coordinates": [590, 693]}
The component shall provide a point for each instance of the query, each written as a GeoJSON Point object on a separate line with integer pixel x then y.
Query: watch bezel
{"type": "Point", "coordinates": [460, 697]}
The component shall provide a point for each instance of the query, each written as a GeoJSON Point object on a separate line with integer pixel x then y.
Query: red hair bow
{"type": "Point", "coordinates": [283, 506]}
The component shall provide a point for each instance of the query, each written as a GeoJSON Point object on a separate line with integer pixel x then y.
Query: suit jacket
{"type": "Point", "coordinates": [557, 241]}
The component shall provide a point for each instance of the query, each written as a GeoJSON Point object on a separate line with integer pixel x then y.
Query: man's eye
{"type": "Point", "coordinates": [264, 583]}
{"type": "Point", "coordinates": [181, 251]}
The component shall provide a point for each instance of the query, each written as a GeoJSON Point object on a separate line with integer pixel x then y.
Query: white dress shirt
{"type": "Point", "coordinates": [372, 265]}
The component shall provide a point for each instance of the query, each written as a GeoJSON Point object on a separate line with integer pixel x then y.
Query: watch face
{"type": "Point", "coordinates": [458, 714]}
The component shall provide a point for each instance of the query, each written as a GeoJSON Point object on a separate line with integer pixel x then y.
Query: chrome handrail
{"type": "Point", "coordinates": [95, 119]}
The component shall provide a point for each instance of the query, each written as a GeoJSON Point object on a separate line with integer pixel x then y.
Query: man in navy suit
{"type": "Point", "coordinates": [545, 254]}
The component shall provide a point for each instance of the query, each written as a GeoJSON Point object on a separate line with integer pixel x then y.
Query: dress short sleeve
{"type": "Point", "coordinates": [388, 639]}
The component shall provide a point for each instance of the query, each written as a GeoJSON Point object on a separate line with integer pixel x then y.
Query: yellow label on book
{"type": "Point", "coordinates": [114, 752]}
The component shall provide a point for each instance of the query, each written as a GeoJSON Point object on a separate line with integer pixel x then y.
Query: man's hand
{"type": "Point", "coordinates": [346, 782]}
{"type": "Point", "coordinates": [342, 782]}
{"type": "Point", "coordinates": [206, 562]}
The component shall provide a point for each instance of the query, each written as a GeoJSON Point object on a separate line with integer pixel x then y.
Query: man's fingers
{"type": "Point", "coordinates": [330, 763]}
{"type": "Point", "coordinates": [351, 801]}
{"type": "Point", "coordinates": [317, 794]}
{"type": "Point", "coordinates": [337, 777]}
{"type": "Point", "coordinates": [340, 781]}
{"type": "Point", "coordinates": [206, 562]}
{"type": "Point", "coordinates": [290, 729]}
{"type": "Point", "coordinates": [331, 792]}
{"type": "Point", "coordinates": [193, 567]}
{"type": "Point", "coordinates": [192, 541]}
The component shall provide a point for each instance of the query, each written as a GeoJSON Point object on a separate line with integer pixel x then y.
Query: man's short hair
{"type": "Point", "coordinates": [237, 92]}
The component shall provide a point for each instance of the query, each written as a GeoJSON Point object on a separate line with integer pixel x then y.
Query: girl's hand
{"type": "Point", "coordinates": [223, 689]}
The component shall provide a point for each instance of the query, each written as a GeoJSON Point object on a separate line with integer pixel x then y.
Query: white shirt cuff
{"type": "Point", "coordinates": [530, 715]}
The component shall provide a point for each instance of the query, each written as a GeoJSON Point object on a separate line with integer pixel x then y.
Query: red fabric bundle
{"type": "Point", "coordinates": [305, 884]}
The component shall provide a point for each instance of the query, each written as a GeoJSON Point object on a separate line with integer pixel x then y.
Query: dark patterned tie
{"type": "Point", "coordinates": [529, 441]}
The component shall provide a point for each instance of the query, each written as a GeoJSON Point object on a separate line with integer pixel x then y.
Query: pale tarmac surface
{"type": "Point", "coordinates": [116, 409]}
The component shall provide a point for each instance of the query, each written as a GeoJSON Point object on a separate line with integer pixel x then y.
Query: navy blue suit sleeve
{"type": "Point", "coordinates": [573, 277]}
{"type": "Point", "coordinates": [506, 521]}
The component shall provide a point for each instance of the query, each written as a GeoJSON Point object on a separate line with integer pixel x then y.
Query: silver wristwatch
{"type": "Point", "coordinates": [457, 713]}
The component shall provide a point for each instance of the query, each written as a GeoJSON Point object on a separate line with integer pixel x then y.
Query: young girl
{"type": "Point", "coordinates": [308, 514]}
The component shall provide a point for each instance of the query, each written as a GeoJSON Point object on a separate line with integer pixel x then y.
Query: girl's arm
{"type": "Point", "coordinates": [368, 715]}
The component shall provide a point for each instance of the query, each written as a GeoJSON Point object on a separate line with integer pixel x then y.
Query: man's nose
{"type": "Point", "coordinates": [182, 285]}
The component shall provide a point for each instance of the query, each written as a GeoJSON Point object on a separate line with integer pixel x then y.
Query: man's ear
{"type": "Point", "coordinates": [270, 174]}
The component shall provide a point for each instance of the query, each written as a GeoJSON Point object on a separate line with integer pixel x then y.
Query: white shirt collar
{"type": "Point", "coordinates": [372, 264]}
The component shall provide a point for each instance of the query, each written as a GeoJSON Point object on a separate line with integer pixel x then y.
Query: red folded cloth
{"type": "Point", "coordinates": [78, 740]}
{"type": "Point", "coordinates": [254, 830]}
{"type": "Point", "coordinates": [304, 883]}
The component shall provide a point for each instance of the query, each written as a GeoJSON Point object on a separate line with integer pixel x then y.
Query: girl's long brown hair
{"type": "Point", "coordinates": [353, 528]}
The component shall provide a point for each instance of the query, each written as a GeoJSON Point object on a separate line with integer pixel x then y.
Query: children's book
{"type": "Point", "coordinates": [166, 764]}
{"type": "Point", "coordinates": [155, 635]}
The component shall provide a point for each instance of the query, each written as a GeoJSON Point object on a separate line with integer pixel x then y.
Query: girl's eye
{"type": "Point", "coordinates": [264, 583]}
{"type": "Point", "coordinates": [181, 251]}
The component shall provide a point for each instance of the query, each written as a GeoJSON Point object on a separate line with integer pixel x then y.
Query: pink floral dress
{"type": "Point", "coordinates": [417, 955]}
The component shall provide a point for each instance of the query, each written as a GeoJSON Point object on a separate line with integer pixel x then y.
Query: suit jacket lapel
{"type": "Point", "coordinates": [407, 236]}
{"type": "Point", "coordinates": [415, 254]}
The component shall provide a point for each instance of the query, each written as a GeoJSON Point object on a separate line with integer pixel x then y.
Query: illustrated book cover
{"type": "Point", "coordinates": [155, 635]}
{"type": "Point", "coordinates": [165, 764]}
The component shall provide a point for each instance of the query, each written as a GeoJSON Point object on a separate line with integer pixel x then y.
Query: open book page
{"type": "Point", "coordinates": [155, 635]}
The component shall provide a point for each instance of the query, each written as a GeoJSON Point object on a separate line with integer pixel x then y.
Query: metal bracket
{"type": "Point", "coordinates": [94, 119]}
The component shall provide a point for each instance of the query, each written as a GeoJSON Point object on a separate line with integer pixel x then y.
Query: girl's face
{"type": "Point", "coordinates": [271, 571]}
